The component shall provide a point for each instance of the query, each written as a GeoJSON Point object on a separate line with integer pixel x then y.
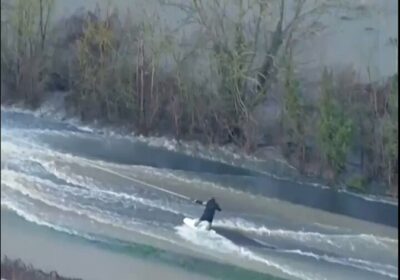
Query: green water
{"type": "Point", "coordinates": [144, 252]}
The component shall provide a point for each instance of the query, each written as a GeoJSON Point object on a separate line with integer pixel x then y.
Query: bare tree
{"type": "Point", "coordinates": [45, 9]}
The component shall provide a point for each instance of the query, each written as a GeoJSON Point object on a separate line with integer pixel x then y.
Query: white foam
{"type": "Point", "coordinates": [86, 128]}
{"type": "Point", "coordinates": [215, 242]}
{"type": "Point", "coordinates": [44, 156]}
{"type": "Point", "coordinates": [91, 213]}
{"type": "Point", "coordinates": [30, 217]}
{"type": "Point", "coordinates": [46, 112]}
{"type": "Point", "coordinates": [372, 198]}
{"type": "Point", "coordinates": [59, 202]}
{"type": "Point", "coordinates": [16, 109]}
{"type": "Point", "coordinates": [331, 239]}
{"type": "Point", "coordinates": [336, 240]}
{"type": "Point", "coordinates": [89, 183]}
{"type": "Point", "coordinates": [383, 269]}
{"type": "Point", "coordinates": [83, 181]}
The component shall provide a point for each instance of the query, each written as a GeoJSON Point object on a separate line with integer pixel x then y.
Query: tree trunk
{"type": "Point", "coordinates": [277, 40]}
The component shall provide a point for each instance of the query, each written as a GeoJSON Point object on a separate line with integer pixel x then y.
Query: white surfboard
{"type": "Point", "coordinates": [191, 223]}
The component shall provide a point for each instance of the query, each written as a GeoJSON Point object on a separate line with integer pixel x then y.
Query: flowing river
{"type": "Point", "coordinates": [119, 194]}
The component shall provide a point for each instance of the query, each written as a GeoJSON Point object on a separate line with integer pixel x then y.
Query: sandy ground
{"type": "Point", "coordinates": [73, 259]}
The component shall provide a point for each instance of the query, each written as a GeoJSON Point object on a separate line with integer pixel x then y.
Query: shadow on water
{"type": "Point", "coordinates": [327, 199]}
{"type": "Point", "coordinates": [241, 239]}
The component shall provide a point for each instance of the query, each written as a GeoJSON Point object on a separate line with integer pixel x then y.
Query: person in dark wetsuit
{"type": "Point", "coordinates": [208, 214]}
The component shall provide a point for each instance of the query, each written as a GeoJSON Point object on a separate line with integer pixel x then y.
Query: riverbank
{"type": "Point", "coordinates": [17, 270]}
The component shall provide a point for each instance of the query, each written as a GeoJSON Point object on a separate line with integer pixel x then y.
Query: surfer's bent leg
{"type": "Point", "coordinates": [208, 225]}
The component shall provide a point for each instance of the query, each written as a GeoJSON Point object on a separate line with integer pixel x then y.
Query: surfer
{"type": "Point", "coordinates": [209, 211]}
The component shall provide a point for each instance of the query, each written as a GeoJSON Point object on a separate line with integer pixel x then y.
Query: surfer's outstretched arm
{"type": "Point", "coordinates": [199, 202]}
